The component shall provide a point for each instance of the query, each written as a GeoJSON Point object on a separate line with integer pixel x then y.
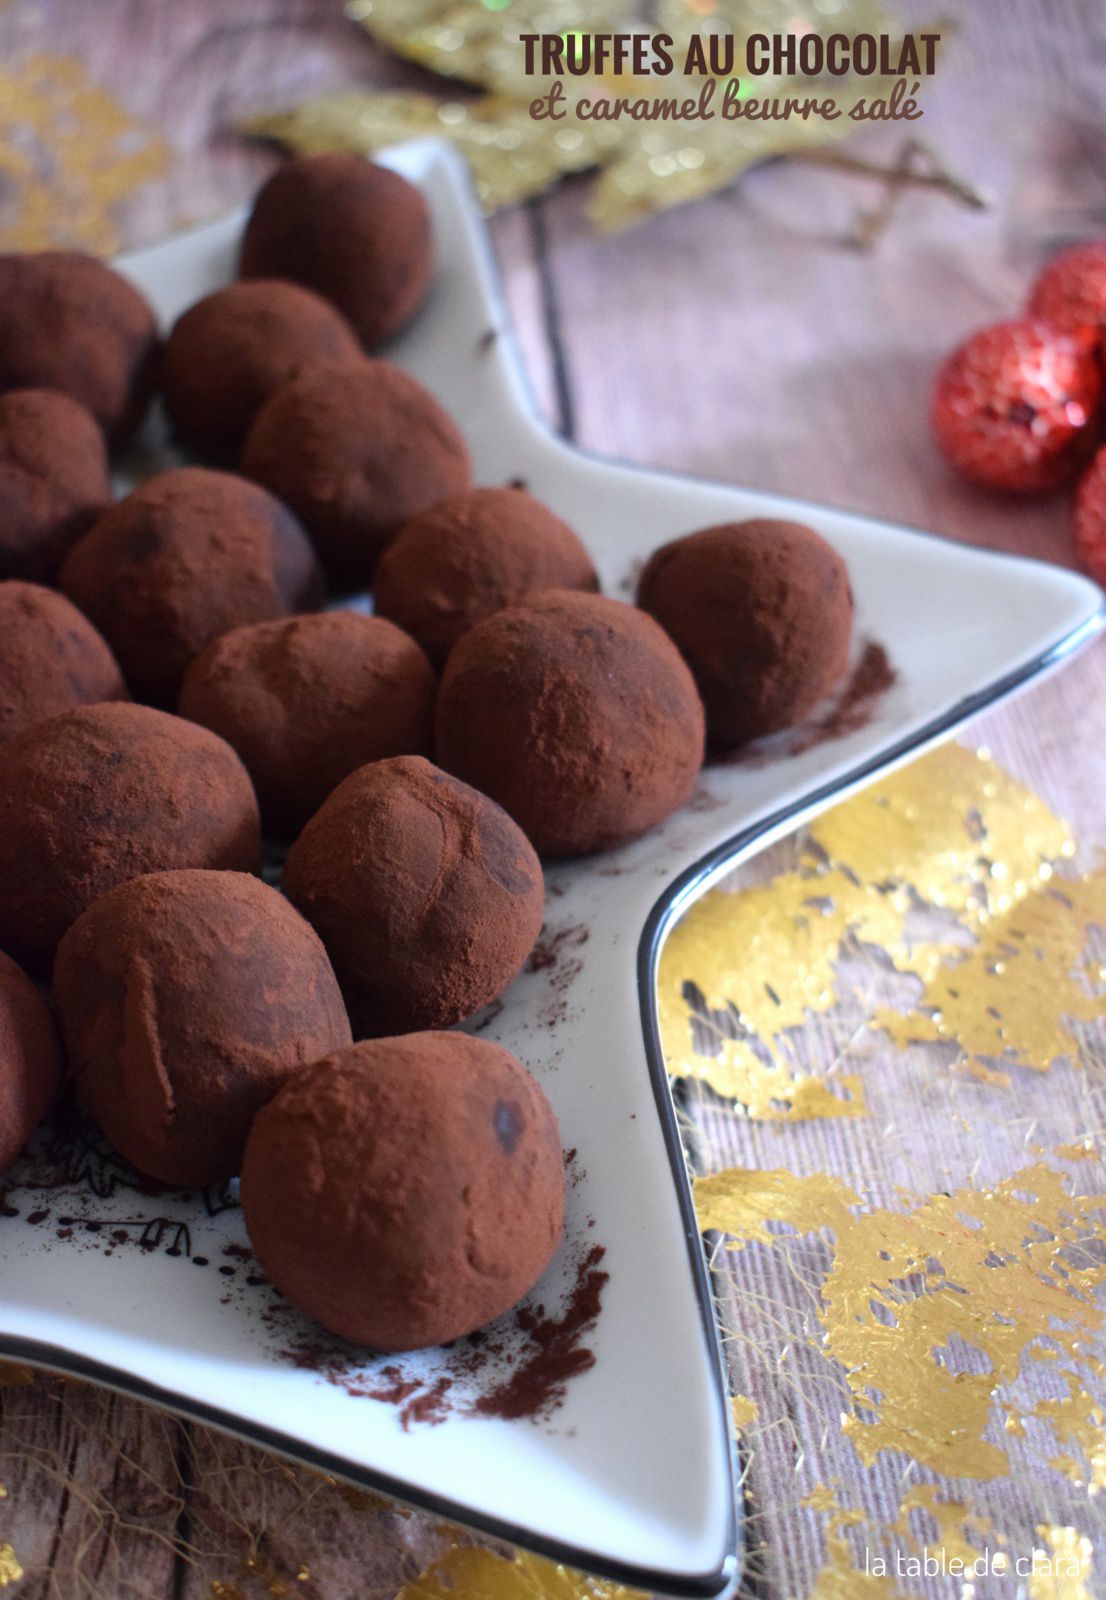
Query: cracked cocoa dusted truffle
{"type": "Point", "coordinates": [69, 322]}
{"type": "Point", "coordinates": [575, 712]}
{"type": "Point", "coordinates": [763, 614]}
{"type": "Point", "coordinates": [427, 896]}
{"type": "Point", "coordinates": [105, 793]}
{"type": "Point", "coordinates": [31, 1065]}
{"type": "Point", "coordinates": [228, 353]}
{"type": "Point", "coordinates": [353, 231]}
{"type": "Point", "coordinates": [51, 659]}
{"type": "Point", "coordinates": [308, 700]}
{"type": "Point", "coordinates": [356, 451]}
{"type": "Point", "coordinates": [53, 480]}
{"type": "Point", "coordinates": [471, 555]}
{"type": "Point", "coordinates": [186, 999]}
{"type": "Point", "coordinates": [406, 1191]}
{"type": "Point", "coordinates": [188, 555]}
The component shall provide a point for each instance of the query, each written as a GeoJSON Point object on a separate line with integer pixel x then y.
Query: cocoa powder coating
{"type": "Point", "coordinates": [51, 658]}
{"type": "Point", "coordinates": [188, 555]}
{"type": "Point", "coordinates": [356, 450]}
{"type": "Point", "coordinates": [53, 480]}
{"type": "Point", "coordinates": [354, 232]}
{"type": "Point", "coordinates": [470, 556]}
{"type": "Point", "coordinates": [577, 714]}
{"type": "Point", "coordinates": [308, 700]}
{"type": "Point", "coordinates": [426, 895]}
{"type": "Point", "coordinates": [406, 1191]}
{"type": "Point", "coordinates": [763, 613]}
{"type": "Point", "coordinates": [228, 353]}
{"type": "Point", "coordinates": [69, 322]}
{"type": "Point", "coordinates": [31, 1065]}
{"type": "Point", "coordinates": [186, 999]}
{"type": "Point", "coordinates": [105, 793]}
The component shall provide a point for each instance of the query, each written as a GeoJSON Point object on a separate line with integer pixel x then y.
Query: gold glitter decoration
{"type": "Point", "coordinates": [468, 1573]}
{"type": "Point", "coordinates": [1061, 1566]}
{"type": "Point", "coordinates": [952, 835]}
{"type": "Point", "coordinates": [743, 1410]}
{"type": "Point", "coordinates": [10, 1569]}
{"type": "Point", "coordinates": [644, 166]}
{"type": "Point", "coordinates": [69, 154]}
{"type": "Point", "coordinates": [992, 1271]}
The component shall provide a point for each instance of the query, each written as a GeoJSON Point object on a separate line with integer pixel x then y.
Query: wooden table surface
{"type": "Point", "coordinates": [743, 339]}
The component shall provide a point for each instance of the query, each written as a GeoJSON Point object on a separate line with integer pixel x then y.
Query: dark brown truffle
{"type": "Point", "coordinates": [53, 480]}
{"type": "Point", "coordinates": [762, 612]}
{"type": "Point", "coordinates": [472, 555]}
{"type": "Point", "coordinates": [426, 895]}
{"type": "Point", "coordinates": [307, 701]}
{"type": "Point", "coordinates": [186, 999]}
{"type": "Point", "coordinates": [105, 793]}
{"type": "Point", "coordinates": [356, 451]}
{"type": "Point", "coordinates": [406, 1191]}
{"type": "Point", "coordinates": [228, 353]}
{"type": "Point", "coordinates": [577, 714]}
{"type": "Point", "coordinates": [31, 1066]}
{"type": "Point", "coordinates": [69, 322]}
{"type": "Point", "coordinates": [51, 659]}
{"type": "Point", "coordinates": [190, 554]}
{"type": "Point", "coordinates": [353, 231]}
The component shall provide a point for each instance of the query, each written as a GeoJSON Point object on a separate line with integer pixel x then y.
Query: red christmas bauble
{"type": "Point", "coordinates": [1090, 519]}
{"type": "Point", "coordinates": [1013, 407]}
{"type": "Point", "coordinates": [1070, 293]}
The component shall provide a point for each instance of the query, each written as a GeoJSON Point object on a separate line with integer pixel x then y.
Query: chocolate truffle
{"type": "Point", "coordinates": [68, 322]}
{"type": "Point", "coordinates": [186, 999]}
{"type": "Point", "coordinates": [31, 1066]}
{"type": "Point", "coordinates": [105, 793]}
{"type": "Point", "coordinates": [471, 555]}
{"type": "Point", "coordinates": [577, 714]}
{"type": "Point", "coordinates": [762, 612]}
{"type": "Point", "coordinates": [51, 659]}
{"type": "Point", "coordinates": [307, 701]}
{"type": "Point", "coordinates": [356, 451]}
{"type": "Point", "coordinates": [355, 232]}
{"type": "Point", "coordinates": [190, 554]}
{"type": "Point", "coordinates": [406, 1191]}
{"type": "Point", "coordinates": [233, 349]}
{"type": "Point", "coordinates": [426, 895]}
{"type": "Point", "coordinates": [53, 480]}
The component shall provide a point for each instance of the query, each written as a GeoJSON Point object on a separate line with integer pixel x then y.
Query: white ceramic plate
{"type": "Point", "coordinates": [633, 1475]}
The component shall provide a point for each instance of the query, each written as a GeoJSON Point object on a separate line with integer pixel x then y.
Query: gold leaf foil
{"type": "Point", "coordinates": [69, 154]}
{"type": "Point", "coordinates": [10, 1569]}
{"type": "Point", "coordinates": [909, 1291]}
{"type": "Point", "coordinates": [1062, 1565]}
{"type": "Point", "coordinates": [468, 1573]}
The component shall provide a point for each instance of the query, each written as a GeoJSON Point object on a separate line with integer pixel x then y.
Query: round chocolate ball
{"type": "Point", "coordinates": [308, 700]}
{"type": "Point", "coordinates": [427, 896]}
{"type": "Point", "coordinates": [53, 480]}
{"type": "Point", "coordinates": [51, 659]}
{"type": "Point", "coordinates": [353, 231]}
{"type": "Point", "coordinates": [356, 451]}
{"type": "Point", "coordinates": [69, 322]}
{"type": "Point", "coordinates": [31, 1065]}
{"type": "Point", "coordinates": [188, 555]}
{"type": "Point", "coordinates": [228, 353]}
{"type": "Point", "coordinates": [105, 793]}
{"type": "Point", "coordinates": [186, 999]}
{"type": "Point", "coordinates": [471, 555]}
{"type": "Point", "coordinates": [763, 614]}
{"type": "Point", "coordinates": [577, 714]}
{"type": "Point", "coordinates": [404, 1192]}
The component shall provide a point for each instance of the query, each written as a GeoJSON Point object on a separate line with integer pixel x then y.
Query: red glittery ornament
{"type": "Point", "coordinates": [1090, 519]}
{"type": "Point", "coordinates": [1012, 407]}
{"type": "Point", "coordinates": [1070, 293]}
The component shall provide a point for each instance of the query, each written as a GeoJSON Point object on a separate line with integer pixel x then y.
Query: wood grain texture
{"type": "Point", "coordinates": [741, 340]}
